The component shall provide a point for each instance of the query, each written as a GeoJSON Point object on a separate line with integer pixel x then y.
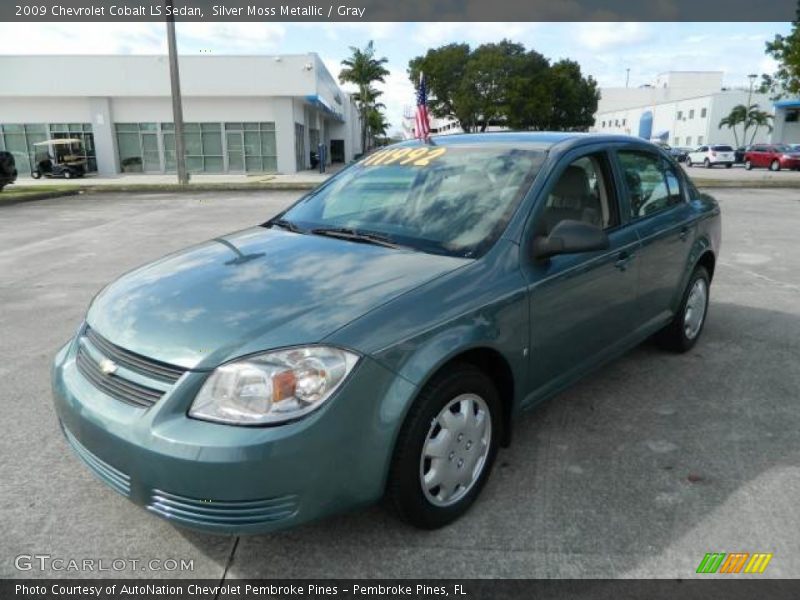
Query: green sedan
{"type": "Point", "coordinates": [380, 337]}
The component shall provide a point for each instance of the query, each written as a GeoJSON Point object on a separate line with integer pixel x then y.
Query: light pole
{"type": "Point", "coordinates": [752, 78]}
{"type": "Point", "coordinates": [177, 106]}
{"type": "Point", "coordinates": [627, 76]}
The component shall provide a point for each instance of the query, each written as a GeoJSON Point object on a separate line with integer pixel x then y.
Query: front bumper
{"type": "Point", "coordinates": [228, 479]}
{"type": "Point", "coordinates": [790, 163]}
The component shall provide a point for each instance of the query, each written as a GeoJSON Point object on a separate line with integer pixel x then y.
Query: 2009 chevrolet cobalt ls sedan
{"type": "Point", "coordinates": [381, 336]}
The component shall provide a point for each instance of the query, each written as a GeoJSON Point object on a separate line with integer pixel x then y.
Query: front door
{"type": "Point", "coordinates": [151, 158]}
{"type": "Point", "coordinates": [662, 217]}
{"type": "Point", "coordinates": [234, 144]}
{"type": "Point", "coordinates": [581, 305]}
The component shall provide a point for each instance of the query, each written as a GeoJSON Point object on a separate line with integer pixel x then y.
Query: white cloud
{"type": "Point", "coordinates": [605, 36]}
{"type": "Point", "coordinates": [228, 38]}
{"type": "Point", "coordinates": [82, 38]}
{"type": "Point", "coordinates": [432, 35]}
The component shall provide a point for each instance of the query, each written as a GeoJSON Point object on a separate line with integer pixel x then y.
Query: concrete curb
{"type": "Point", "coordinates": [32, 196]}
{"type": "Point", "coordinates": [745, 185]}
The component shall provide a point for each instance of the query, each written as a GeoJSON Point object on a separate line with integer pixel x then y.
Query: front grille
{"type": "Point", "coordinates": [143, 382]}
{"type": "Point", "coordinates": [221, 512]}
{"type": "Point", "coordinates": [145, 366]}
{"type": "Point", "coordinates": [115, 478]}
{"type": "Point", "coordinates": [115, 386]}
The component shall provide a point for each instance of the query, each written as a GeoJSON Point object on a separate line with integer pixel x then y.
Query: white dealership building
{"type": "Point", "coordinates": [242, 114]}
{"type": "Point", "coordinates": [682, 108]}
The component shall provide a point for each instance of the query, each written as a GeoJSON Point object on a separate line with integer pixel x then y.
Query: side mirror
{"type": "Point", "coordinates": [570, 237]}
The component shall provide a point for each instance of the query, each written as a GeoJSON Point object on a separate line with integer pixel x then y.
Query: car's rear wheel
{"type": "Point", "coordinates": [36, 174]}
{"type": "Point", "coordinates": [446, 448]}
{"type": "Point", "coordinates": [707, 163]}
{"type": "Point", "coordinates": [685, 328]}
{"type": "Point", "coordinates": [775, 166]}
{"type": "Point", "coordinates": [728, 165]}
{"type": "Point", "coordinates": [748, 165]}
{"type": "Point", "coordinates": [67, 174]}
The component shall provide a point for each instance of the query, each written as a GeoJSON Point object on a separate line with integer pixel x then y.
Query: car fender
{"type": "Point", "coordinates": [707, 239]}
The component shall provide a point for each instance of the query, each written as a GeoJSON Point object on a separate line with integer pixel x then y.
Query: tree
{"type": "Point", "coordinates": [738, 115]}
{"type": "Point", "coordinates": [574, 98]}
{"type": "Point", "coordinates": [503, 84]}
{"type": "Point", "coordinates": [759, 119]}
{"type": "Point", "coordinates": [378, 125]}
{"type": "Point", "coordinates": [363, 69]}
{"type": "Point", "coordinates": [445, 76]}
{"type": "Point", "coordinates": [786, 51]}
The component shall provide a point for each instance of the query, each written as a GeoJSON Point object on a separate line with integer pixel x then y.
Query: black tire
{"type": "Point", "coordinates": [775, 165]}
{"type": "Point", "coordinates": [404, 488]}
{"type": "Point", "coordinates": [728, 165]}
{"type": "Point", "coordinates": [67, 174]}
{"type": "Point", "coordinates": [688, 162]}
{"type": "Point", "coordinates": [36, 174]}
{"type": "Point", "coordinates": [674, 336]}
{"type": "Point", "coordinates": [748, 165]}
{"type": "Point", "coordinates": [707, 164]}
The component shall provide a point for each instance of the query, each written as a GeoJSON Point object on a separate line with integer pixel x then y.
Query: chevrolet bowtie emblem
{"type": "Point", "coordinates": [108, 367]}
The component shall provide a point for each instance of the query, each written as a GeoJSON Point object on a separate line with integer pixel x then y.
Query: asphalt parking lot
{"type": "Point", "coordinates": [638, 471]}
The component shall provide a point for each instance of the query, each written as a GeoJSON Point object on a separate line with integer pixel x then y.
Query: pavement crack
{"type": "Point", "coordinates": [228, 564]}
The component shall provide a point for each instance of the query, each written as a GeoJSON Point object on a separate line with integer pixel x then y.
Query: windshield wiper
{"type": "Point", "coordinates": [353, 235]}
{"type": "Point", "coordinates": [284, 224]}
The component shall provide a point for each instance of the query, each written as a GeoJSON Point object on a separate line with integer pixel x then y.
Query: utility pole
{"type": "Point", "coordinates": [177, 105]}
{"type": "Point", "coordinates": [627, 76]}
{"type": "Point", "coordinates": [752, 78]}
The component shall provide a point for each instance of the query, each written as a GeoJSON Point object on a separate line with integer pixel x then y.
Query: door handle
{"type": "Point", "coordinates": [622, 260]}
{"type": "Point", "coordinates": [684, 233]}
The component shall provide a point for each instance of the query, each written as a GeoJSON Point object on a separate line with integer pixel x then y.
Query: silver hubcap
{"type": "Point", "coordinates": [455, 450]}
{"type": "Point", "coordinates": [695, 309]}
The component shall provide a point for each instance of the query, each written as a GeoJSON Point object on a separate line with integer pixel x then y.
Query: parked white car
{"type": "Point", "coordinates": [710, 156]}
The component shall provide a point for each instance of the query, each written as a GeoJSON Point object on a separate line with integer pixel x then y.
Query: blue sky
{"type": "Point", "coordinates": [604, 50]}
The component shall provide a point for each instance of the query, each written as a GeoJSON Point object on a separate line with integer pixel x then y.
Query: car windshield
{"type": "Point", "coordinates": [722, 148]}
{"type": "Point", "coordinates": [443, 199]}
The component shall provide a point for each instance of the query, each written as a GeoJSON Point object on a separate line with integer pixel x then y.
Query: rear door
{"type": "Point", "coordinates": [660, 214]}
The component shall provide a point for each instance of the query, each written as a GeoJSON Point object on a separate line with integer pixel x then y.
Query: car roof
{"type": "Point", "coordinates": [541, 140]}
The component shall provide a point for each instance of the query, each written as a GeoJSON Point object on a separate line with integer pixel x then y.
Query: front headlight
{"type": "Point", "coordinates": [272, 387]}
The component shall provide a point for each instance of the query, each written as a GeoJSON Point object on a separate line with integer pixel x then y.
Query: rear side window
{"type": "Point", "coordinates": [651, 182]}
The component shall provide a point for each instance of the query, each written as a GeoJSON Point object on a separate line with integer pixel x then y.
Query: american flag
{"type": "Point", "coordinates": [422, 131]}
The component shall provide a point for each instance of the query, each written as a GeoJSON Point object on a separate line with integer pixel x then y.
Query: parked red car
{"type": "Point", "coordinates": [772, 156]}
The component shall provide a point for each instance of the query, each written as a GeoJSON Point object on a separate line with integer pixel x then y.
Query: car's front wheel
{"type": "Point", "coordinates": [684, 330]}
{"type": "Point", "coordinates": [688, 162]}
{"type": "Point", "coordinates": [446, 448]}
{"type": "Point", "coordinates": [748, 165]}
{"type": "Point", "coordinates": [707, 163]}
{"type": "Point", "coordinates": [775, 166]}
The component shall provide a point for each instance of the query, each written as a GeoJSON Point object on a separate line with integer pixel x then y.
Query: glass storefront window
{"type": "Point", "coordinates": [20, 140]}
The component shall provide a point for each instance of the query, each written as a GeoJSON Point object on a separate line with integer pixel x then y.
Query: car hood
{"type": "Point", "coordinates": [251, 291]}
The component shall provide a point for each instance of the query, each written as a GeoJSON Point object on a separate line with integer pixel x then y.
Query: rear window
{"type": "Point", "coordinates": [722, 148]}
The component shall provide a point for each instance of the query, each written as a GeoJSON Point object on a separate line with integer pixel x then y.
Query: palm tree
{"type": "Point", "coordinates": [737, 115]}
{"type": "Point", "coordinates": [759, 119]}
{"type": "Point", "coordinates": [363, 69]}
{"type": "Point", "coordinates": [376, 120]}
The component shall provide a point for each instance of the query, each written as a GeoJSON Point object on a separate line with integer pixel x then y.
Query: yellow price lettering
{"type": "Point", "coordinates": [425, 160]}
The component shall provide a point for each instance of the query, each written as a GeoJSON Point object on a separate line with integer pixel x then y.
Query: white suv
{"type": "Point", "coordinates": [709, 156]}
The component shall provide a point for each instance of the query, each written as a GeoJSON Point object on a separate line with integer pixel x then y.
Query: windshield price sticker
{"type": "Point", "coordinates": [416, 157]}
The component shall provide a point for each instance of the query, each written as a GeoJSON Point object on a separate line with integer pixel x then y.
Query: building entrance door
{"type": "Point", "coordinates": [234, 141]}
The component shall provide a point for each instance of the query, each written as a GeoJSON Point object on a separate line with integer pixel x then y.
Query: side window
{"type": "Point", "coordinates": [583, 192]}
{"type": "Point", "coordinates": [651, 182]}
